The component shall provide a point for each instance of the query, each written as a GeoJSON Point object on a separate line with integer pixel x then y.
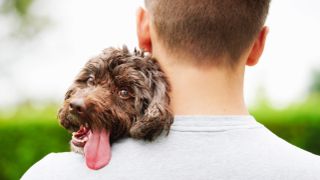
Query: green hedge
{"type": "Point", "coordinates": [298, 123]}
{"type": "Point", "coordinates": [24, 144]}
{"type": "Point", "coordinates": [26, 136]}
{"type": "Point", "coordinates": [29, 133]}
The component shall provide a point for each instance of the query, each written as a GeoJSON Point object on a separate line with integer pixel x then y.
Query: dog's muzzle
{"type": "Point", "coordinates": [77, 107]}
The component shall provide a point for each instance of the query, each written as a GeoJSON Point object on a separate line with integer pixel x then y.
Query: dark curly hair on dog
{"type": "Point", "coordinates": [123, 93]}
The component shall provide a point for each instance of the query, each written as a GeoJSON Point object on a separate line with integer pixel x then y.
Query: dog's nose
{"type": "Point", "coordinates": [77, 106]}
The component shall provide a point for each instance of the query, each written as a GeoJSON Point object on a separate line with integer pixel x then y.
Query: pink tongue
{"type": "Point", "coordinates": [97, 149]}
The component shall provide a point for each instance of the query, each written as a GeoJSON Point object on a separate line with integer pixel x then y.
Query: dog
{"type": "Point", "coordinates": [117, 94]}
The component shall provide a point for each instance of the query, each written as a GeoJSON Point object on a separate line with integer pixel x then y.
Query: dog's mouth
{"type": "Point", "coordinates": [96, 145]}
{"type": "Point", "coordinates": [80, 137]}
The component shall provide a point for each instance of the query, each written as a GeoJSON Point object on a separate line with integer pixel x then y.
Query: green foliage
{"type": "Point", "coordinates": [315, 84]}
{"type": "Point", "coordinates": [298, 123]}
{"type": "Point", "coordinates": [30, 132]}
{"type": "Point", "coordinates": [25, 23]}
{"type": "Point", "coordinates": [21, 7]}
{"type": "Point", "coordinates": [26, 137]}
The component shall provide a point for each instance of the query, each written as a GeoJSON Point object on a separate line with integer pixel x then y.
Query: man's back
{"type": "Point", "coordinates": [198, 147]}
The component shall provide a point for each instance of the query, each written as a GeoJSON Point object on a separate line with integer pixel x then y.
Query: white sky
{"type": "Point", "coordinates": [43, 68]}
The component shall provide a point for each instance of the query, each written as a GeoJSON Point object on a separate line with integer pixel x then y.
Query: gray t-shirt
{"type": "Point", "coordinates": [197, 147]}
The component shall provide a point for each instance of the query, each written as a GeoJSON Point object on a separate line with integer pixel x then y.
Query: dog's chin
{"type": "Point", "coordinates": [76, 149]}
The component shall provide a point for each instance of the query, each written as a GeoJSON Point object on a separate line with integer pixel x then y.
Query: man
{"type": "Point", "coordinates": [203, 46]}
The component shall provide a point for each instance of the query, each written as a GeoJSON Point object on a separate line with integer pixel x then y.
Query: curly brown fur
{"type": "Point", "coordinates": [125, 93]}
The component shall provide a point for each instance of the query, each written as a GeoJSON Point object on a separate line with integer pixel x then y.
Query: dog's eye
{"type": "Point", "coordinates": [124, 94]}
{"type": "Point", "coordinates": [68, 95]}
{"type": "Point", "coordinates": [90, 81]}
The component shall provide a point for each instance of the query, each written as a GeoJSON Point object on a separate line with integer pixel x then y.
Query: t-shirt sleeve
{"type": "Point", "coordinates": [57, 166]}
{"type": "Point", "coordinates": [41, 170]}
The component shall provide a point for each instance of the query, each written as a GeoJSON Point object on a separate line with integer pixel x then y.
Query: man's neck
{"type": "Point", "coordinates": [206, 91]}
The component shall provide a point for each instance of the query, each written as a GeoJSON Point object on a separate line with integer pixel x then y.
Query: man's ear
{"type": "Point", "coordinates": [258, 47]}
{"type": "Point", "coordinates": [143, 30]}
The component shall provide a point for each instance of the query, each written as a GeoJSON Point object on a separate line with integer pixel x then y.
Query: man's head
{"type": "Point", "coordinates": [205, 30]}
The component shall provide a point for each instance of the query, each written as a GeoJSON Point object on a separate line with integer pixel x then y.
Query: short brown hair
{"type": "Point", "coordinates": [208, 28]}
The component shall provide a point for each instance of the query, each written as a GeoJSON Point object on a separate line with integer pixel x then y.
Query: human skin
{"type": "Point", "coordinates": [200, 90]}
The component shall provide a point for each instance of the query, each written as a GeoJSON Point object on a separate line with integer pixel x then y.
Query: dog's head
{"type": "Point", "coordinates": [125, 93]}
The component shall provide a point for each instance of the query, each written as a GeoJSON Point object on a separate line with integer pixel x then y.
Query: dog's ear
{"type": "Point", "coordinates": [156, 115]}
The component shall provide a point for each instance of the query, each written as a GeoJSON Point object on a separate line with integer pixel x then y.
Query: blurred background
{"type": "Point", "coordinates": [43, 45]}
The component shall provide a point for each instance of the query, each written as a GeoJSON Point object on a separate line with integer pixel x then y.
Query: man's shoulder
{"type": "Point", "coordinates": [70, 165]}
{"type": "Point", "coordinates": [234, 154]}
{"type": "Point", "coordinates": [52, 163]}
